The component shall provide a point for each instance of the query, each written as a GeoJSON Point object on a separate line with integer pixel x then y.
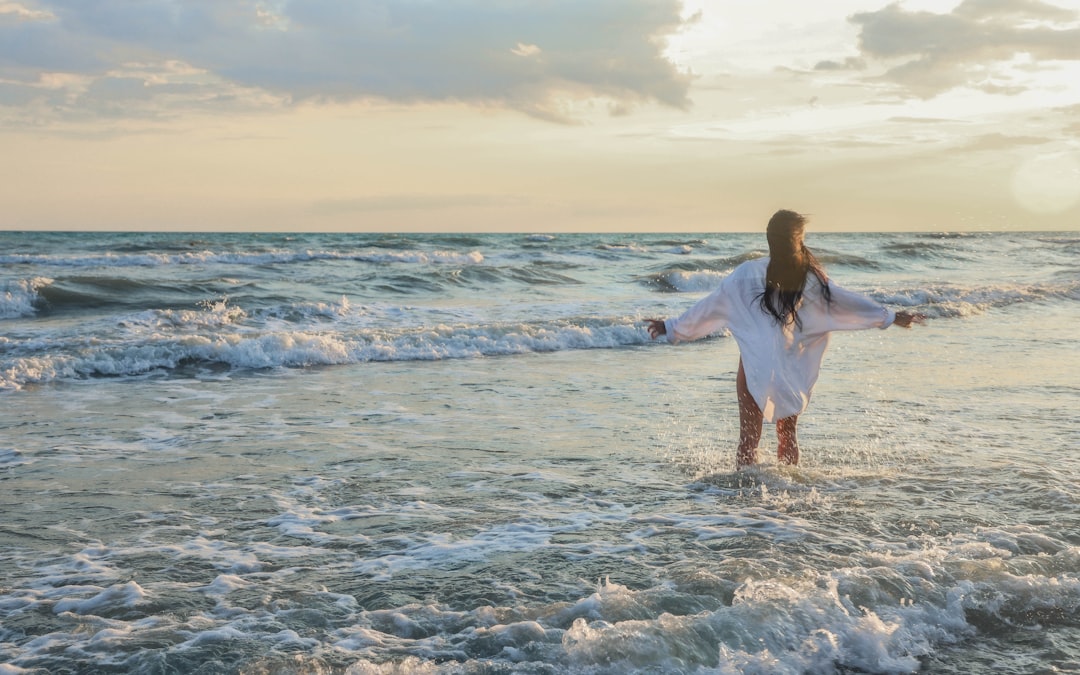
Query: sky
{"type": "Point", "coordinates": [539, 115]}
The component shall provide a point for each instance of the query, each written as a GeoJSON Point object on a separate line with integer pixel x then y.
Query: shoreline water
{"type": "Point", "coordinates": [566, 506]}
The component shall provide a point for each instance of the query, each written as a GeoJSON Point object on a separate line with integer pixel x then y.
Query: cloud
{"type": "Point", "coordinates": [850, 63]}
{"type": "Point", "coordinates": [13, 11]}
{"type": "Point", "coordinates": [528, 55]}
{"type": "Point", "coordinates": [975, 45]}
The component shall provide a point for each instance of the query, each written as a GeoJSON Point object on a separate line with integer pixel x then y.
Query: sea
{"type": "Point", "coordinates": [372, 454]}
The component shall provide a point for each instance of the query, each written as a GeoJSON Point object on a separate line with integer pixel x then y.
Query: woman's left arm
{"type": "Point", "coordinates": [905, 319]}
{"type": "Point", "coordinates": [849, 310]}
{"type": "Point", "coordinates": [656, 327]}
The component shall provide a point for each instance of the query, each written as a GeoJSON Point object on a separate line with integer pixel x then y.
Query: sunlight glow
{"type": "Point", "coordinates": [1048, 183]}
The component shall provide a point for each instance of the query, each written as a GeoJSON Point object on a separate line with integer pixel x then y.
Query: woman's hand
{"type": "Point", "coordinates": [656, 327]}
{"type": "Point", "coordinates": [905, 319]}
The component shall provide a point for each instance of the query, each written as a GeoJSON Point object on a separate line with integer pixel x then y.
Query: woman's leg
{"type": "Point", "coordinates": [787, 445]}
{"type": "Point", "coordinates": [749, 422]}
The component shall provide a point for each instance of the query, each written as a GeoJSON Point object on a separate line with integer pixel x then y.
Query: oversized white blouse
{"type": "Point", "coordinates": [781, 362]}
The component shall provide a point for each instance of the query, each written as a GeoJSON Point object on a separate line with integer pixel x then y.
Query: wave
{"type": "Point", "coordinates": [480, 277]}
{"type": "Point", "coordinates": [20, 297]}
{"type": "Point", "coordinates": [662, 246]}
{"type": "Point", "coordinates": [883, 609]}
{"type": "Point", "coordinates": [950, 235]}
{"type": "Point", "coordinates": [695, 276]}
{"type": "Point", "coordinates": [164, 341]}
{"type": "Point", "coordinates": [704, 275]}
{"type": "Point", "coordinates": [622, 248]}
{"type": "Point", "coordinates": [923, 250]}
{"type": "Point", "coordinates": [947, 301]}
{"type": "Point", "coordinates": [91, 291]}
{"type": "Point", "coordinates": [219, 334]}
{"type": "Point", "coordinates": [42, 295]}
{"type": "Point", "coordinates": [681, 281]}
{"type": "Point", "coordinates": [275, 257]}
{"type": "Point", "coordinates": [213, 314]}
{"type": "Point", "coordinates": [589, 246]}
{"type": "Point", "coordinates": [830, 258]}
{"type": "Point", "coordinates": [47, 296]}
{"type": "Point", "coordinates": [678, 243]}
{"type": "Point", "coordinates": [1063, 241]}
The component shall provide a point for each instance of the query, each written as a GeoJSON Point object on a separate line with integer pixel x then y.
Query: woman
{"type": "Point", "coordinates": [780, 310]}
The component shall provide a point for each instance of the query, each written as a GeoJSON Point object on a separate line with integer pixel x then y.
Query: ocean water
{"type": "Point", "coordinates": [374, 454]}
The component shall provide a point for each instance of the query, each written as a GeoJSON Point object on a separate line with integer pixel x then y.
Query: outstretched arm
{"type": "Point", "coordinates": [849, 310]}
{"type": "Point", "coordinates": [656, 328]}
{"type": "Point", "coordinates": [905, 319]}
{"type": "Point", "coordinates": [707, 316]}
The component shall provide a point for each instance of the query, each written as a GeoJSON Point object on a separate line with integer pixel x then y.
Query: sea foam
{"type": "Point", "coordinates": [211, 337]}
{"type": "Point", "coordinates": [18, 297]}
{"type": "Point", "coordinates": [280, 257]}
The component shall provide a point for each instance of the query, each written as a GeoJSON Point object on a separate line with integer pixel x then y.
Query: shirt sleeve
{"type": "Point", "coordinates": [707, 316]}
{"type": "Point", "coordinates": [853, 311]}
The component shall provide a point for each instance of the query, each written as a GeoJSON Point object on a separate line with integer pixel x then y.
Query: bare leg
{"type": "Point", "coordinates": [750, 419]}
{"type": "Point", "coordinates": [787, 444]}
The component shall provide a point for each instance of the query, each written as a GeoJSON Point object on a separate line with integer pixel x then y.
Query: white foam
{"type": "Point", "coordinates": [342, 309]}
{"type": "Point", "coordinates": [881, 616]}
{"type": "Point", "coordinates": [436, 550]}
{"type": "Point", "coordinates": [693, 282]}
{"type": "Point", "coordinates": [770, 628]}
{"type": "Point", "coordinates": [359, 638]}
{"type": "Point", "coordinates": [223, 555]}
{"type": "Point", "coordinates": [410, 665]}
{"type": "Point", "coordinates": [704, 527]}
{"type": "Point", "coordinates": [88, 564]}
{"type": "Point", "coordinates": [214, 314]}
{"type": "Point", "coordinates": [276, 257]}
{"type": "Point", "coordinates": [111, 598]}
{"type": "Point", "coordinates": [290, 639]}
{"type": "Point", "coordinates": [17, 297]}
{"type": "Point", "coordinates": [947, 301]}
{"type": "Point", "coordinates": [223, 634]}
{"type": "Point", "coordinates": [222, 585]}
{"type": "Point", "coordinates": [211, 337]}
{"type": "Point", "coordinates": [707, 533]}
{"type": "Point", "coordinates": [301, 521]}
{"type": "Point", "coordinates": [631, 248]}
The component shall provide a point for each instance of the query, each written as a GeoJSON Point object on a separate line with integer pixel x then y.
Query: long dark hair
{"type": "Point", "coordinates": [789, 263]}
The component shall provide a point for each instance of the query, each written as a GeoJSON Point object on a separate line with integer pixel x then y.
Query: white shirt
{"type": "Point", "coordinates": [781, 362]}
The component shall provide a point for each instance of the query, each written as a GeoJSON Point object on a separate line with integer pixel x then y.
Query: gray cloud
{"type": "Point", "coordinates": [528, 55]}
{"type": "Point", "coordinates": [937, 52]}
{"type": "Point", "coordinates": [850, 63]}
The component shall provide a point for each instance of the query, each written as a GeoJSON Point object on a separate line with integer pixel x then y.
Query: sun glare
{"type": "Point", "coordinates": [1048, 183]}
